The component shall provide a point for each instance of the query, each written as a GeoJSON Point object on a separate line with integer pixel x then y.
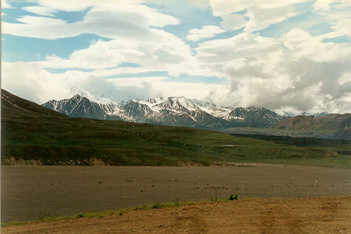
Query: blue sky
{"type": "Point", "coordinates": [233, 53]}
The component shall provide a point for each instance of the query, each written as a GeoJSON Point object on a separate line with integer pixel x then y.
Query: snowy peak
{"type": "Point", "coordinates": [79, 106]}
{"type": "Point", "coordinates": [212, 109]}
{"type": "Point", "coordinates": [155, 100]}
{"type": "Point", "coordinates": [77, 97]}
{"type": "Point", "coordinates": [318, 114]}
{"type": "Point", "coordinates": [136, 109]}
{"type": "Point", "coordinates": [174, 104]}
{"type": "Point", "coordinates": [254, 116]}
{"type": "Point", "coordinates": [65, 106]}
{"type": "Point", "coordinates": [182, 101]}
{"type": "Point", "coordinates": [177, 104]}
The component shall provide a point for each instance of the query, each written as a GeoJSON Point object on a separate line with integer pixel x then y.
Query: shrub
{"type": "Point", "coordinates": [157, 206]}
{"type": "Point", "coordinates": [233, 197]}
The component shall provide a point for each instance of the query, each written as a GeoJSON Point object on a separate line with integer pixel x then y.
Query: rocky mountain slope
{"type": "Point", "coordinates": [330, 126]}
{"type": "Point", "coordinates": [178, 111]}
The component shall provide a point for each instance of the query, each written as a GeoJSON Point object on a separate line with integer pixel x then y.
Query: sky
{"type": "Point", "coordinates": [288, 56]}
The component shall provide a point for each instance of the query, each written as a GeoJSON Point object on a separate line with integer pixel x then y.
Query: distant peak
{"type": "Point", "coordinates": [174, 97]}
{"type": "Point", "coordinates": [77, 96]}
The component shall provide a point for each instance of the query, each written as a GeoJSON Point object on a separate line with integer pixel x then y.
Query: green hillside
{"type": "Point", "coordinates": [31, 132]}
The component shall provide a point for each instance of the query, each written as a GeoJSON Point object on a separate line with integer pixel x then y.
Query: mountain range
{"type": "Point", "coordinates": [174, 111]}
{"type": "Point", "coordinates": [181, 111]}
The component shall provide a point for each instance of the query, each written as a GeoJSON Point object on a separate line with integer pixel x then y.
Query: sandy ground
{"type": "Point", "coordinates": [32, 192]}
{"type": "Point", "coordinates": [303, 215]}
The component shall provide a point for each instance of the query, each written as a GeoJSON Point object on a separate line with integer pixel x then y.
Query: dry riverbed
{"type": "Point", "coordinates": [33, 192]}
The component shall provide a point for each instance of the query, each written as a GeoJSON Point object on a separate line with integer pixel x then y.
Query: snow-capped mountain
{"type": "Point", "coordinates": [291, 114]}
{"type": "Point", "coordinates": [167, 111]}
{"type": "Point", "coordinates": [79, 106]}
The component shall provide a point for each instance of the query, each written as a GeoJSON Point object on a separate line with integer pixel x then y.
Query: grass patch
{"type": "Point", "coordinates": [12, 223]}
{"type": "Point", "coordinates": [102, 214]}
{"type": "Point", "coordinates": [164, 205]}
{"type": "Point", "coordinates": [60, 218]}
{"type": "Point", "coordinates": [120, 212]}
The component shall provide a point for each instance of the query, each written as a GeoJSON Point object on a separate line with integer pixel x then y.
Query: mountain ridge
{"type": "Point", "coordinates": [330, 126]}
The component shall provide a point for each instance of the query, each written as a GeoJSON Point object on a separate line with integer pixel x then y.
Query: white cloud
{"type": "Point", "coordinates": [38, 21]}
{"type": "Point", "coordinates": [296, 71]}
{"type": "Point", "coordinates": [160, 87]}
{"type": "Point", "coordinates": [345, 78]}
{"type": "Point", "coordinates": [236, 48]}
{"type": "Point", "coordinates": [135, 31]}
{"type": "Point", "coordinates": [40, 10]}
{"type": "Point", "coordinates": [224, 7]}
{"type": "Point", "coordinates": [303, 45]}
{"type": "Point", "coordinates": [261, 18]}
{"type": "Point", "coordinates": [164, 52]}
{"type": "Point", "coordinates": [79, 5]}
{"type": "Point", "coordinates": [260, 14]}
{"type": "Point", "coordinates": [322, 4]}
{"type": "Point", "coordinates": [233, 21]}
{"type": "Point", "coordinates": [5, 4]}
{"type": "Point", "coordinates": [207, 31]}
{"type": "Point", "coordinates": [192, 3]}
{"type": "Point", "coordinates": [325, 5]}
{"type": "Point", "coordinates": [30, 81]}
{"type": "Point", "coordinates": [96, 56]}
{"type": "Point", "coordinates": [107, 20]}
{"type": "Point", "coordinates": [337, 13]}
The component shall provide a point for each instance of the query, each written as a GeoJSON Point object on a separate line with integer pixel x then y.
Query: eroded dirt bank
{"type": "Point", "coordinates": [303, 215]}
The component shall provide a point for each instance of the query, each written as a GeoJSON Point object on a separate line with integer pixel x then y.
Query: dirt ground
{"type": "Point", "coordinates": [33, 192]}
{"type": "Point", "coordinates": [302, 215]}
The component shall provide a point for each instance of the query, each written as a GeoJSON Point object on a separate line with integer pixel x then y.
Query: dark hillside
{"type": "Point", "coordinates": [14, 107]}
